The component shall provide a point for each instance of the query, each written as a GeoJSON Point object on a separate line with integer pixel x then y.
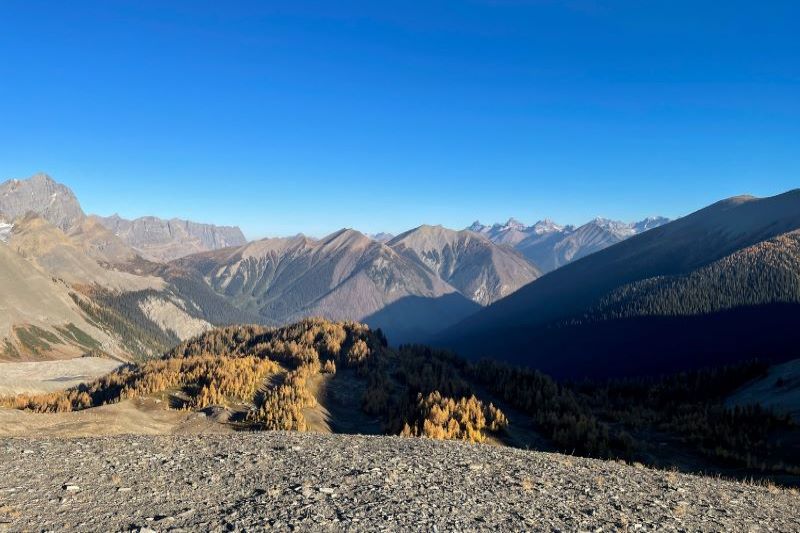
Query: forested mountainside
{"type": "Point", "coordinates": [762, 274]}
{"type": "Point", "coordinates": [543, 324]}
{"type": "Point", "coordinates": [345, 378]}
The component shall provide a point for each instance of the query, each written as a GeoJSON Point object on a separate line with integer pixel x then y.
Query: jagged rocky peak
{"type": "Point", "coordinates": [513, 223]}
{"type": "Point", "coordinates": [547, 226]}
{"type": "Point", "coordinates": [618, 228]}
{"type": "Point", "coordinates": [42, 195]}
{"type": "Point", "coordinates": [649, 223]}
{"type": "Point", "coordinates": [477, 227]}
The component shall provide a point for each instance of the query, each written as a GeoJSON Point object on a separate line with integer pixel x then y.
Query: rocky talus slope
{"type": "Point", "coordinates": [315, 482]}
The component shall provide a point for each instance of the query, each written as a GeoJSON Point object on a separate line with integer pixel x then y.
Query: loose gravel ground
{"type": "Point", "coordinates": [253, 481]}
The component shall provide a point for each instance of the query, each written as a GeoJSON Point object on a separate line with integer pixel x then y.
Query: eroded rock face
{"type": "Point", "coordinates": [165, 240]}
{"type": "Point", "coordinates": [314, 482]}
{"type": "Point", "coordinates": [40, 194]}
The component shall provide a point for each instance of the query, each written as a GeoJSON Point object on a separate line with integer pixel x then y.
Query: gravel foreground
{"type": "Point", "coordinates": [254, 481]}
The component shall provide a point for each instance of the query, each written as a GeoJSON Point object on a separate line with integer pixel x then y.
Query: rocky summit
{"type": "Point", "coordinates": [42, 195]}
{"type": "Point", "coordinates": [311, 482]}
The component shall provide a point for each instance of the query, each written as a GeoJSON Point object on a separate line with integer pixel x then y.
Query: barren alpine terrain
{"type": "Point", "coordinates": [288, 481]}
{"type": "Point", "coordinates": [49, 376]}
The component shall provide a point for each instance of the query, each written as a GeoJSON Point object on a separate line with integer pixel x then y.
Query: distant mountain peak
{"type": "Point", "coordinates": [42, 195]}
{"type": "Point", "coordinates": [546, 226]}
{"type": "Point", "coordinates": [514, 223]}
{"type": "Point", "coordinates": [476, 227]}
{"type": "Point", "coordinates": [381, 236]}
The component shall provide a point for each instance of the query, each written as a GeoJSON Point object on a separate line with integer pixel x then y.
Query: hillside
{"type": "Point", "coordinates": [65, 257]}
{"type": "Point", "coordinates": [344, 276]}
{"type": "Point", "coordinates": [312, 482]}
{"type": "Point", "coordinates": [761, 274]}
{"type": "Point", "coordinates": [479, 269]}
{"type": "Point", "coordinates": [71, 287]}
{"type": "Point", "coordinates": [38, 317]}
{"type": "Point", "coordinates": [542, 324]}
{"type": "Point", "coordinates": [344, 378]}
{"type": "Point", "coordinates": [62, 302]}
{"type": "Point", "coordinates": [165, 240]}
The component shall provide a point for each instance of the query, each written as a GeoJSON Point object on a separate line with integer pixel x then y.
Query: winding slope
{"type": "Point", "coordinates": [65, 257]}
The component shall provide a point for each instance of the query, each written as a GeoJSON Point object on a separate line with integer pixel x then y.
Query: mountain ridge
{"type": "Point", "coordinates": [550, 245]}
{"type": "Point", "coordinates": [677, 248]}
{"type": "Point", "coordinates": [478, 268]}
{"type": "Point", "coordinates": [165, 240]}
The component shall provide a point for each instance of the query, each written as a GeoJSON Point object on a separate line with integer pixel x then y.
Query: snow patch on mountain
{"type": "Point", "coordinates": [5, 230]}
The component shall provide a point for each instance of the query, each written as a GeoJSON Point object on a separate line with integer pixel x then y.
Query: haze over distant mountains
{"type": "Point", "coordinates": [164, 240]}
{"type": "Point", "coordinates": [550, 245]}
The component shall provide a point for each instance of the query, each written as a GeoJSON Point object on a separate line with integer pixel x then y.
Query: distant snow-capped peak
{"type": "Point", "coordinates": [546, 226]}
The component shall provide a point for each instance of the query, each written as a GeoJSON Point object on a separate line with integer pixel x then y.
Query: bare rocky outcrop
{"type": "Point", "coordinates": [245, 482]}
{"type": "Point", "coordinates": [40, 194]}
{"type": "Point", "coordinates": [165, 240]}
{"type": "Point", "coordinates": [169, 316]}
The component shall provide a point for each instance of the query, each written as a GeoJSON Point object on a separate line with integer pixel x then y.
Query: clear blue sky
{"type": "Point", "coordinates": [296, 116]}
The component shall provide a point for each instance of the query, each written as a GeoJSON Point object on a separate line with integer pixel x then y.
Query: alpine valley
{"type": "Point", "coordinates": [671, 343]}
{"type": "Point", "coordinates": [75, 283]}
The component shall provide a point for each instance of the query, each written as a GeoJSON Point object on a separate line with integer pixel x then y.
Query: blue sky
{"type": "Point", "coordinates": [299, 116]}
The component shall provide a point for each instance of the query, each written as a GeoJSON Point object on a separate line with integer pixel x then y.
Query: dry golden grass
{"type": "Point", "coordinates": [680, 510]}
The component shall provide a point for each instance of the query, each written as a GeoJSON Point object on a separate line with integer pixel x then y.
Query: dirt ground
{"type": "Point", "coordinates": [49, 376]}
{"type": "Point", "coordinates": [140, 417]}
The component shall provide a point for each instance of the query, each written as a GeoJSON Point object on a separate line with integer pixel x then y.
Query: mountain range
{"type": "Point", "coordinates": [549, 245]}
{"type": "Point", "coordinates": [164, 240]}
{"type": "Point", "coordinates": [132, 288]}
{"type": "Point", "coordinates": [702, 289]}
{"type": "Point", "coordinates": [411, 285]}
{"type": "Point", "coordinates": [684, 317]}
{"type": "Point", "coordinates": [713, 287]}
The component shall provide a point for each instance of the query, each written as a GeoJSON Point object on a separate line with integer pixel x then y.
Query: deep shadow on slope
{"type": "Point", "coordinates": [653, 345]}
{"type": "Point", "coordinates": [416, 318]}
{"type": "Point", "coordinates": [516, 324]}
